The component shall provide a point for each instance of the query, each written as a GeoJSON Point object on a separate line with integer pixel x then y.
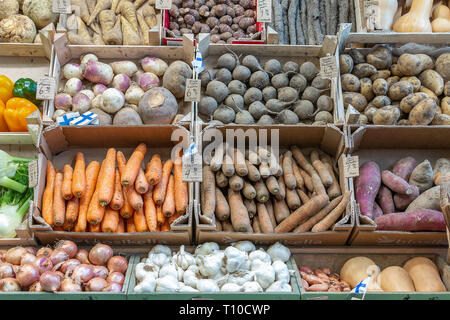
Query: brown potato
{"type": "Point", "coordinates": [445, 105]}
{"type": "Point", "coordinates": [400, 90]}
{"type": "Point", "coordinates": [443, 66]}
{"type": "Point", "coordinates": [447, 89]}
{"type": "Point", "coordinates": [423, 113]}
{"type": "Point", "coordinates": [367, 88]}
{"type": "Point", "coordinates": [370, 111]}
{"type": "Point", "coordinates": [357, 100]}
{"type": "Point", "coordinates": [380, 57]}
{"type": "Point", "coordinates": [403, 122]}
{"type": "Point", "coordinates": [441, 119]}
{"type": "Point", "coordinates": [383, 74]}
{"type": "Point", "coordinates": [350, 82]}
{"type": "Point", "coordinates": [381, 101]}
{"type": "Point", "coordinates": [429, 93]}
{"type": "Point", "coordinates": [414, 81]}
{"type": "Point", "coordinates": [411, 100]}
{"type": "Point", "coordinates": [414, 64]}
{"type": "Point", "coordinates": [392, 80]}
{"type": "Point", "coordinates": [433, 81]}
{"type": "Point", "coordinates": [364, 70]}
{"type": "Point", "coordinates": [386, 116]}
{"type": "Point", "coordinates": [380, 87]}
{"type": "Point", "coordinates": [395, 70]}
{"type": "Point", "coordinates": [345, 63]}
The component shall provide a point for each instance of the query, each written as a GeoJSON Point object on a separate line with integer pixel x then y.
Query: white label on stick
{"type": "Point", "coordinates": [163, 4]}
{"type": "Point", "coordinates": [352, 115]}
{"type": "Point", "coordinates": [46, 88]}
{"type": "Point", "coordinates": [371, 13]}
{"type": "Point", "coordinates": [193, 90]}
{"type": "Point", "coordinates": [61, 6]}
{"type": "Point", "coordinates": [328, 67]}
{"type": "Point", "coordinates": [351, 167]}
{"type": "Point", "coordinates": [32, 173]}
{"type": "Point", "coordinates": [264, 11]}
{"type": "Point", "coordinates": [192, 165]}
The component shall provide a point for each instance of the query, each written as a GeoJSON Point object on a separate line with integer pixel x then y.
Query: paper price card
{"type": "Point", "coordinates": [163, 4]}
{"type": "Point", "coordinates": [371, 13]}
{"type": "Point", "coordinates": [46, 88]}
{"type": "Point", "coordinates": [192, 164]}
{"type": "Point", "coordinates": [351, 167]}
{"type": "Point", "coordinates": [32, 173]}
{"type": "Point", "coordinates": [193, 90]}
{"type": "Point", "coordinates": [264, 11]}
{"type": "Point", "coordinates": [61, 6]}
{"type": "Point", "coordinates": [328, 67]}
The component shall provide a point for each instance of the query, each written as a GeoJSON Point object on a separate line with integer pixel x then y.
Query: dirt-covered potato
{"type": "Point", "coordinates": [381, 74]}
{"type": "Point", "coordinates": [364, 70]}
{"type": "Point", "coordinates": [357, 100]}
{"type": "Point", "coordinates": [403, 122]}
{"type": "Point", "coordinates": [387, 115]}
{"type": "Point", "coordinates": [395, 70]}
{"type": "Point", "coordinates": [392, 80]}
{"type": "Point", "coordinates": [363, 119]}
{"type": "Point", "coordinates": [414, 64]}
{"type": "Point", "coordinates": [433, 81]}
{"type": "Point", "coordinates": [345, 63]}
{"type": "Point", "coordinates": [445, 105]}
{"type": "Point", "coordinates": [380, 57]}
{"type": "Point", "coordinates": [324, 116]}
{"type": "Point", "coordinates": [357, 56]}
{"type": "Point", "coordinates": [423, 113]}
{"type": "Point", "coordinates": [411, 100]}
{"type": "Point", "coordinates": [367, 88]}
{"type": "Point", "coordinates": [447, 89]}
{"type": "Point", "coordinates": [400, 90]}
{"type": "Point", "coordinates": [441, 119]}
{"type": "Point", "coordinates": [381, 101]}
{"type": "Point", "coordinates": [430, 93]}
{"type": "Point", "coordinates": [350, 82]}
{"type": "Point", "coordinates": [370, 111]}
{"type": "Point", "coordinates": [380, 87]}
{"type": "Point", "coordinates": [414, 81]}
{"type": "Point", "coordinates": [320, 83]}
{"type": "Point", "coordinates": [443, 66]}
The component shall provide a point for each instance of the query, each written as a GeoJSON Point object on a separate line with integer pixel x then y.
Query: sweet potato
{"type": "Point", "coordinates": [402, 201]}
{"type": "Point", "coordinates": [385, 200]}
{"type": "Point", "coordinates": [377, 211]}
{"type": "Point", "coordinates": [367, 185]}
{"type": "Point", "coordinates": [430, 199]}
{"type": "Point", "coordinates": [404, 167]}
{"type": "Point", "coordinates": [416, 220]}
{"type": "Point", "coordinates": [395, 183]}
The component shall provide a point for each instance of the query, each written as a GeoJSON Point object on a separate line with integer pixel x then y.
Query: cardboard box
{"type": "Point", "coordinates": [330, 140]}
{"type": "Point", "coordinates": [385, 145]}
{"type": "Point", "coordinates": [60, 145]}
{"type": "Point", "coordinates": [383, 257]}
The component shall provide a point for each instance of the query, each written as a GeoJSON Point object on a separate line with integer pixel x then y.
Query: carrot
{"type": "Point", "coordinates": [324, 175]}
{"type": "Point", "coordinates": [250, 205]}
{"type": "Point", "coordinates": [79, 176]}
{"type": "Point", "coordinates": [92, 172]}
{"type": "Point", "coordinates": [165, 226]}
{"type": "Point", "coordinates": [227, 226]}
{"type": "Point", "coordinates": [67, 226]}
{"type": "Point", "coordinates": [288, 172]}
{"type": "Point", "coordinates": [282, 192]}
{"type": "Point", "coordinates": [264, 170]}
{"type": "Point", "coordinates": [222, 208]}
{"type": "Point", "coordinates": [263, 219]}
{"type": "Point", "coordinates": [221, 179]}
{"type": "Point", "coordinates": [249, 191]}
{"type": "Point", "coordinates": [73, 206]}
{"type": "Point", "coordinates": [67, 182]}
{"type": "Point", "coordinates": [302, 195]}
{"type": "Point", "coordinates": [298, 177]}
{"type": "Point", "coordinates": [127, 210]}
{"type": "Point", "coordinates": [272, 185]}
{"type": "Point", "coordinates": [262, 194]}
{"type": "Point", "coordinates": [58, 229]}
{"type": "Point", "coordinates": [159, 192]}
{"type": "Point", "coordinates": [238, 212]}
{"type": "Point", "coordinates": [208, 193]}
{"type": "Point", "coordinates": [256, 228]}
{"type": "Point", "coordinates": [120, 225]}
{"type": "Point", "coordinates": [131, 170]}
{"type": "Point", "coordinates": [307, 179]}
{"type": "Point", "coordinates": [227, 165]}
{"type": "Point", "coordinates": [218, 226]}
{"type": "Point", "coordinates": [301, 160]}
{"type": "Point", "coordinates": [318, 185]}
{"type": "Point", "coordinates": [334, 190]}
{"type": "Point", "coordinates": [59, 204]}
{"type": "Point", "coordinates": [47, 197]}
{"type": "Point", "coordinates": [117, 200]}
{"type": "Point", "coordinates": [239, 163]}
{"type": "Point", "coordinates": [153, 170]}
{"type": "Point", "coordinates": [95, 211]}
{"type": "Point", "coordinates": [150, 211]}
{"type": "Point", "coordinates": [110, 220]}
{"type": "Point", "coordinates": [325, 223]}
{"type": "Point", "coordinates": [94, 227]}
{"type": "Point", "coordinates": [308, 209]}
{"type": "Point", "coordinates": [271, 211]}
{"type": "Point", "coordinates": [130, 225]}
{"type": "Point", "coordinates": [281, 210]}
{"type": "Point", "coordinates": [168, 207]}
{"type": "Point", "coordinates": [173, 218]}
{"type": "Point", "coordinates": [105, 182]}
{"type": "Point", "coordinates": [253, 172]}
{"type": "Point", "coordinates": [141, 184]}
{"type": "Point", "coordinates": [308, 224]}
{"type": "Point", "coordinates": [139, 221]}
{"type": "Point", "coordinates": [132, 197]}
{"type": "Point", "coordinates": [159, 216]}
{"type": "Point", "coordinates": [236, 182]}
{"type": "Point", "coordinates": [216, 161]}
{"type": "Point", "coordinates": [181, 189]}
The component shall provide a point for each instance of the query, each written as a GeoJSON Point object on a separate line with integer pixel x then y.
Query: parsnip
{"type": "Point", "coordinates": [113, 36]}
{"type": "Point", "coordinates": [129, 12]}
{"type": "Point", "coordinates": [144, 29]}
{"type": "Point", "coordinates": [83, 12]}
{"type": "Point", "coordinates": [129, 36]}
{"type": "Point", "coordinates": [139, 3]}
{"type": "Point", "coordinates": [101, 5]}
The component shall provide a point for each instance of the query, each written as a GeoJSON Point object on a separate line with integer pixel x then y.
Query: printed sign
{"type": "Point", "coordinates": [328, 67]}
{"type": "Point", "coordinates": [193, 90]}
{"type": "Point", "coordinates": [192, 164]}
{"type": "Point", "coordinates": [163, 4]}
{"type": "Point", "coordinates": [61, 6]}
{"type": "Point", "coordinates": [32, 173]}
{"type": "Point", "coordinates": [351, 167]}
{"type": "Point", "coordinates": [264, 11]}
{"type": "Point", "coordinates": [46, 88]}
{"type": "Point", "coordinates": [371, 13]}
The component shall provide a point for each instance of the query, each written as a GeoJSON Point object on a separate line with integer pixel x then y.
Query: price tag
{"type": "Point", "coordinates": [163, 4]}
{"type": "Point", "coordinates": [264, 11]}
{"type": "Point", "coordinates": [352, 115]}
{"type": "Point", "coordinates": [193, 90]}
{"type": "Point", "coordinates": [351, 167]}
{"type": "Point", "coordinates": [61, 6]}
{"type": "Point", "coordinates": [32, 173]}
{"type": "Point", "coordinates": [46, 88]}
{"type": "Point", "coordinates": [328, 67]}
{"type": "Point", "coordinates": [371, 13]}
{"type": "Point", "coordinates": [192, 165]}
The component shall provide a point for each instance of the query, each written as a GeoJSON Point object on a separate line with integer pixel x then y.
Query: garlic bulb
{"type": "Point", "coordinates": [245, 245]}
{"type": "Point", "coordinates": [257, 264]}
{"type": "Point", "coordinates": [265, 276]}
{"type": "Point", "coordinates": [279, 286]}
{"type": "Point", "coordinates": [146, 285]}
{"type": "Point", "coordinates": [241, 277]}
{"type": "Point", "coordinates": [167, 284]}
{"type": "Point", "coordinates": [190, 278]}
{"type": "Point", "coordinates": [159, 259]}
{"type": "Point", "coordinates": [207, 285]}
{"type": "Point", "coordinates": [210, 265]}
{"type": "Point", "coordinates": [234, 259]}
{"type": "Point", "coordinates": [159, 248]}
{"type": "Point", "coordinates": [279, 252]}
{"type": "Point", "coordinates": [260, 255]}
{"type": "Point", "coordinates": [251, 286]}
{"type": "Point", "coordinates": [168, 270]}
{"type": "Point", "coordinates": [187, 289]}
{"type": "Point", "coordinates": [184, 259]}
{"type": "Point", "coordinates": [143, 269]}
{"type": "Point", "coordinates": [230, 287]}
{"type": "Point", "coordinates": [281, 271]}
{"type": "Point", "coordinates": [206, 248]}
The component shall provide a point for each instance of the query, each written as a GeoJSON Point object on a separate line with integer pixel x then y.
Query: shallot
{"type": "Point", "coordinates": [113, 287]}
{"type": "Point", "coordinates": [9, 285]}
{"type": "Point", "coordinates": [67, 285]}
{"type": "Point", "coordinates": [116, 277]}
{"type": "Point", "coordinates": [27, 258]}
{"type": "Point", "coordinates": [96, 284]}
{"type": "Point", "coordinates": [117, 263]}
{"type": "Point", "coordinates": [14, 255]}
{"type": "Point", "coordinates": [69, 265]}
{"type": "Point", "coordinates": [82, 273]}
{"type": "Point", "coordinates": [27, 274]}
{"type": "Point", "coordinates": [100, 272]}
{"type": "Point", "coordinates": [68, 246]}
{"type": "Point", "coordinates": [58, 256]}
{"type": "Point", "coordinates": [43, 264]}
{"type": "Point", "coordinates": [6, 270]}
{"type": "Point", "coordinates": [82, 256]}
{"type": "Point", "coordinates": [50, 281]}
{"type": "Point", "coordinates": [100, 254]}
{"type": "Point", "coordinates": [44, 251]}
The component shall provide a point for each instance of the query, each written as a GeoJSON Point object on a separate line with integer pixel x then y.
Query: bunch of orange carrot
{"type": "Point", "coordinates": [106, 198]}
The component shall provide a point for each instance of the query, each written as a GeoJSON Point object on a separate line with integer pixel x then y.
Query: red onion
{"type": "Point", "coordinates": [101, 272]}
{"type": "Point", "coordinates": [58, 256]}
{"type": "Point", "coordinates": [27, 275]}
{"type": "Point", "coordinates": [96, 284]}
{"type": "Point", "coordinates": [14, 255]}
{"type": "Point", "coordinates": [36, 287]}
{"type": "Point", "coordinates": [113, 287]}
{"type": "Point", "coordinates": [27, 258]}
{"type": "Point", "coordinates": [67, 285]}
{"type": "Point", "coordinates": [9, 285]}
{"type": "Point", "coordinates": [50, 281]}
{"type": "Point", "coordinates": [43, 264]}
{"type": "Point", "coordinates": [68, 246]}
{"type": "Point", "coordinates": [82, 273]}
{"type": "Point", "coordinates": [6, 270]}
{"type": "Point", "coordinates": [44, 251]}
{"type": "Point", "coordinates": [100, 254]}
{"type": "Point", "coordinates": [69, 265]}
{"type": "Point", "coordinates": [31, 250]}
{"type": "Point", "coordinates": [82, 256]}
{"type": "Point", "coordinates": [116, 277]}
{"type": "Point", "coordinates": [117, 263]}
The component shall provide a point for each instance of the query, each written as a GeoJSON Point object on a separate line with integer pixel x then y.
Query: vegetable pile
{"type": "Point", "coordinates": [238, 268]}
{"type": "Point", "coordinates": [21, 19]}
{"type": "Point", "coordinates": [244, 92]}
{"type": "Point", "coordinates": [120, 93]}
{"type": "Point", "coordinates": [103, 198]}
{"type": "Point", "coordinates": [225, 20]}
{"type": "Point", "coordinates": [111, 22]}
{"type": "Point", "coordinates": [62, 269]}
{"type": "Point", "coordinates": [301, 22]}
{"type": "Point", "coordinates": [256, 193]}
{"type": "Point", "coordinates": [322, 280]}
{"type": "Point", "coordinates": [406, 198]}
{"type": "Point", "coordinates": [410, 89]}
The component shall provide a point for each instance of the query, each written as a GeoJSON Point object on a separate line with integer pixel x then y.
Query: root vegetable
{"type": "Point", "coordinates": [238, 212]}
{"type": "Point", "coordinates": [158, 105]}
{"type": "Point", "coordinates": [224, 114]}
{"type": "Point", "coordinates": [367, 185]}
{"type": "Point", "coordinates": [98, 72]}
{"type": "Point", "coordinates": [415, 220]}
{"type": "Point", "coordinates": [237, 87]}
{"type": "Point", "coordinates": [207, 105]}
{"type": "Point", "coordinates": [157, 66]}
{"type": "Point", "coordinates": [128, 68]}
{"type": "Point", "coordinates": [241, 73]}
{"type": "Point", "coordinates": [251, 95]}
{"type": "Point", "coordinates": [217, 90]}
{"type": "Point", "coordinates": [396, 183]}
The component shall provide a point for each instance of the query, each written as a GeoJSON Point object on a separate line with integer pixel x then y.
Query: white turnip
{"type": "Point", "coordinates": [158, 106]}
{"type": "Point", "coordinates": [112, 100]}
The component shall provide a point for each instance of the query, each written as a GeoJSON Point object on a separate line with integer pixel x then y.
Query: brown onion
{"type": "Point", "coordinates": [27, 258]}
{"type": "Point", "coordinates": [69, 286]}
{"type": "Point", "coordinates": [43, 264]}
{"type": "Point", "coordinates": [58, 256]}
{"type": "Point", "coordinates": [68, 246]}
{"type": "Point", "coordinates": [69, 265]}
{"type": "Point", "coordinates": [82, 256]}
{"type": "Point", "coordinates": [101, 272]}
{"type": "Point", "coordinates": [6, 270]}
{"type": "Point", "coordinates": [116, 277]}
{"type": "Point", "coordinates": [113, 287]}
{"type": "Point", "coordinates": [100, 254]}
{"type": "Point", "coordinates": [44, 251]}
{"type": "Point", "coordinates": [36, 287]}
{"type": "Point", "coordinates": [117, 263]}
{"type": "Point", "coordinates": [9, 285]}
{"type": "Point", "coordinates": [27, 275]}
{"type": "Point", "coordinates": [50, 281]}
{"type": "Point", "coordinates": [14, 255]}
{"type": "Point", "coordinates": [31, 250]}
{"type": "Point", "coordinates": [82, 273]}
{"type": "Point", "coordinates": [96, 284]}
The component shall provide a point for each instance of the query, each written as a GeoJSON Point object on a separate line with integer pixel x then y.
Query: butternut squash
{"type": "Point", "coordinates": [396, 279]}
{"type": "Point", "coordinates": [440, 25]}
{"type": "Point", "coordinates": [417, 19]}
{"type": "Point", "coordinates": [354, 270]}
{"type": "Point", "coordinates": [425, 275]}
{"type": "Point", "coordinates": [419, 260]}
{"type": "Point", "coordinates": [441, 11]}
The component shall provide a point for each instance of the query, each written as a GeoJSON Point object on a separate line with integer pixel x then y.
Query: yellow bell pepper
{"type": "Point", "coordinates": [16, 112]}
{"type": "Point", "coordinates": [6, 88]}
{"type": "Point", "coordinates": [3, 125]}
